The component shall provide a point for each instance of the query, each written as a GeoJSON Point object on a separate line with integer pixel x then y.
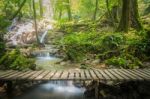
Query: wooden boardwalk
{"type": "Point", "coordinates": [93, 74]}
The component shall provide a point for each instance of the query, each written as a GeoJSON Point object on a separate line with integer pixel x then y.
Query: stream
{"type": "Point", "coordinates": [22, 33]}
{"type": "Point", "coordinates": [54, 90]}
{"type": "Point", "coordinates": [46, 61]}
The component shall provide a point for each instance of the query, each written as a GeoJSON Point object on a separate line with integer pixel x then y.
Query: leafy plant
{"type": "Point", "coordinates": [15, 60]}
{"type": "Point", "coordinates": [125, 61]}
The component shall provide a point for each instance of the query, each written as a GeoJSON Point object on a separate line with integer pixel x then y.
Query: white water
{"type": "Point", "coordinates": [55, 90]}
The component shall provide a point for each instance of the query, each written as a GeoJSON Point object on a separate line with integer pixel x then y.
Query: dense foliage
{"type": "Point", "coordinates": [15, 60]}
{"type": "Point", "coordinates": [114, 31]}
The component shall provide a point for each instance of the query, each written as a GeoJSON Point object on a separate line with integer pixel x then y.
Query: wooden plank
{"type": "Point", "coordinates": [119, 75]}
{"type": "Point", "coordinates": [11, 77]}
{"type": "Point", "coordinates": [18, 77]}
{"type": "Point", "coordinates": [147, 71]}
{"type": "Point", "coordinates": [144, 71]}
{"type": "Point", "coordinates": [136, 76]}
{"type": "Point", "coordinates": [8, 74]}
{"type": "Point", "coordinates": [110, 75]}
{"type": "Point", "coordinates": [99, 75]}
{"type": "Point", "coordinates": [93, 75]}
{"type": "Point", "coordinates": [5, 72]}
{"type": "Point", "coordinates": [64, 75]}
{"type": "Point", "coordinates": [57, 75]}
{"type": "Point", "coordinates": [40, 77]}
{"type": "Point", "coordinates": [49, 75]}
{"type": "Point", "coordinates": [128, 75]}
{"type": "Point", "coordinates": [28, 75]}
{"type": "Point", "coordinates": [139, 74]}
{"type": "Point", "coordinates": [87, 74]}
{"type": "Point", "coordinates": [37, 73]}
{"type": "Point", "coordinates": [71, 76]}
{"type": "Point", "coordinates": [77, 75]}
{"type": "Point", "coordinates": [104, 75]}
{"type": "Point", "coordinates": [83, 77]}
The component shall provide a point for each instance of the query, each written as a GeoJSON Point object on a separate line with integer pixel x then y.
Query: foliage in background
{"type": "Point", "coordinates": [118, 49]}
{"type": "Point", "coordinates": [15, 60]}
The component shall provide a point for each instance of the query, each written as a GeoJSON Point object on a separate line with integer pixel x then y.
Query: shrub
{"type": "Point", "coordinates": [15, 60]}
{"type": "Point", "coordinates": [125, 61]}
{"type": "Point", "coordinates": [78, 45]}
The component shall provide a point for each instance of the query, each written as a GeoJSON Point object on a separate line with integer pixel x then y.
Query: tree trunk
{"type": "Point", "coordinates": [41, 7]}
{"type": "Point", "coordinates": [69, 10]}
{"type": "Point", "coordinates": [30, 7]}
{"type": "Point", "coordinates": [60, 13]}
{"type": "Point", "coordinates": [109, 12]}
{"type": "Point", "coordinates": [124, 22]}
{"type": "Point", "coordinates": [115, 13]}
{"type": "Point", "coordinates": [35, 22]}
{"type": "Point", "coordinates": [134, 15]}
{"type": "Point", "coordinates": [20, 12]}
{"type": "Point", "coordinates": [130, 16]}
{"type": "Point", "coordinates": [96, 8]}
{"type": "Point", "coordinates": [17, 12]}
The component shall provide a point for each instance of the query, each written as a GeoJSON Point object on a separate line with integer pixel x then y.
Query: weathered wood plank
{"type": "Point", "coordinates": [146, 71]}
{"type": "Point", "coordinates": [71, 75]}
{"type": "Point", "coordinates": [128, 75]}
{"type": "Point", "coordinates": [37, 73]}
{"type": "Point", "coordinates": [49, 75]}
{"type": "Point", "coordinates": [99, 75]}
{"type": "Point", "coordinates": [93, 75]}
{"type": "Point", "coordinates": [87, 74]}
{"type": "Point", "coordinates": [27, 75]}
{"type": "Point", "coordinates": [18, 77]}
{"type": "Point", "coordinates": [57, 75]}
{"type": "Point", "coordinates": [140, 74]}
{"type": "Point", "coordinates": [119, 75]}
{"type": "Point", "coordinates": [64, 75]}
{"type": "Point", "coordinates": [136, 76]}
{"type": "Point", "coordinates": [83, 77]}
{"type": "Point", "coordinates": [8, 74]}
{"type": "Point", "coordinates": [77, 75]}
{"type": "Point", "coordinates": [5, 72]}
{"type": "Point", "coordinates": [104, 75]}
{"type": "Point", "coordinates": [110, 75]}
{"type": "Point", "coordinates": [11, 77]}
{"type": "Point", "coordinates": [40, 77]}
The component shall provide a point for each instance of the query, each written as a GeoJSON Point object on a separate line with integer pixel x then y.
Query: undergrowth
{"type": "Point", "coordinates": [122, 50]}
{"type": "Point", "coordinates": [15, 60]}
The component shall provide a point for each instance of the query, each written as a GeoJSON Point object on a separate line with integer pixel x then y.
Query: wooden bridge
{"type": "Point", "coordinates": [92, 74]}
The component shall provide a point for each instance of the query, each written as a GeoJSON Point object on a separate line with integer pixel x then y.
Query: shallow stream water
{"type": "Point", "coordinates": [54, 90]}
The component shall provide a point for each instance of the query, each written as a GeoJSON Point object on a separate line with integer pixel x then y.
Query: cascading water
{"type": "Point", "coordinates": [22, 33]}
{"type": "Point", "coordinates": [43, 36]}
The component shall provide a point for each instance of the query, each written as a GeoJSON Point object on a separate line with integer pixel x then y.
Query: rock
{"type": "Point", "coordinates": [146, 64]}
{"type": "Point", "coordinates": [63, 63]}
{"type": "Point", "coordinates": [95, 62]}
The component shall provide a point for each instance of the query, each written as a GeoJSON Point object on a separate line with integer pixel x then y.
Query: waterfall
{"type": "Point", "coordinates": [43, 36]}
